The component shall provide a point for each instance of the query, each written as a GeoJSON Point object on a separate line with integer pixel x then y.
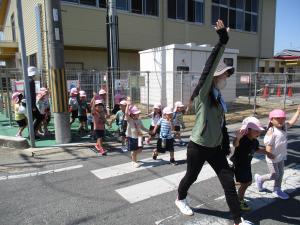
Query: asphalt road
{"type": "Point", "coordinates": [80, 187]}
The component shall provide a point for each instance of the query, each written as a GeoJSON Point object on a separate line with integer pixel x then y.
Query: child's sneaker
{"type": "Point", "coordinates": [136, 164]}
{"type": "Point", "coordinates": [184, 207]}
{"type": "Point", "coordinates": [124, 149]}
{"type": "Point", "coordinates": [258, 182]}
{"type": "Point", "coordinates": [173, 162]}
{"type": "Point", "coordinates": [154, 155]}
{"type": "Point", "coordinates": [181, 143]}
{"type": "Point", "coordinates": [280, 194]}
{"type": "Point", "coordinates": [100, 149]}
{"type": "Point", "coordinates": [244, 206]}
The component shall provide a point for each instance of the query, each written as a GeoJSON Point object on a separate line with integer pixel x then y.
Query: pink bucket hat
{"type": "Point", "coordinates": [102, 92]}
{"type": "Point", "coordinates": [252, 123]}
{"type": "Point", "coordinates": [82, 94]}
{"type": "Point", "coordinates": [123, 102]}
{"type": "Point", "coordinates": [157, 106]}
{"type": "Point", "coordinates": [15, 96]}
{"type": "Point", "coordinates": [134, 110]}
{"type": "Point", "coordinates": [178, 104]}
{"type": "Point", "coordinates": [97, 102]}
{"type": "Point", "coordinates": [167, 110]}
{"type": "Point", "coordinates": [277, 113]}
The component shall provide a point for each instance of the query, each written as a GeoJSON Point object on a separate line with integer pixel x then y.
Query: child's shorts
{"type": "Point", "coordinates": [74, 114]}
{"type": "Point", "coordinates": [132, 144]}
{"type": "Point", "coordinates": [177, 128]}
{"type": "Point", "coordinates": [22, 123]}
{"type": "Point", "coordinates": [243, 174]}
{"type": "Point", "coordinates": [99, 133]}
{"type": "Point", "coordinates": [169, 145]}
{"type": "Point", "coordinates": [151, 129]}
{"type": "Point", "coordinates": [82, 118]}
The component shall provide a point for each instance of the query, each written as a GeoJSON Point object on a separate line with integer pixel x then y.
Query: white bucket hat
{"type": "Point", "coordinates": [177, 105]}
{"type": "Point", "coordinates": [32, 71]}
{"type": "Point", "coordinates": [123, 102]}
{"type": "Point", "coordinates": [222, 68]}
{"type": "Point", "coordinates": [102, 92]}
{"type": "Point", "coordinates": [157, 106]}
{"type": "Point", "coordinates": [167, 110]}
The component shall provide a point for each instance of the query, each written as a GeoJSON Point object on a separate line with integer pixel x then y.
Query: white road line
{"type": "Point", "coordinates": [126, 168]}
{"type": "Point", "coordinates": [39, 173]}
{"type": "Point", "coordinates": [256, 199]}
{"type": "Point", "coordinates": [151, 188]}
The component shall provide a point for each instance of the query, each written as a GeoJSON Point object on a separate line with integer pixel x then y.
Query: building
{"type": "Point", "coordinates": [143, 24]}
{"type": "Point", "coordinates": [286, 61]}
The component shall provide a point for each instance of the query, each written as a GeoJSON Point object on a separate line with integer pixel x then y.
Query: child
{"type": "Point", "coordinates": [82, 111]}
{"type": "Point", "coordinates": [246, 144]}
{"type": "Point", "coordinates": [155, 117]}
{"type": "Point", "coordinates": [20, 112]}
{"type": "Point", "coordinates": [97, 110]}
{"type": "Point", "coordinates": [276, 143]}
{"type": "Point", "coordinates": [121, 123]}
{"type": "Point", "coordinates": [40, 103]}
{"type": "Point", "coordinates": [134, 131]}
{"type": "Point", "coordinates": [178, 121]}
{"type": "Point", "coordinates": [73, 104]}
{"type": "Point", "coordinates": [166, 140]}
{"type": "Point", "coordinates": [47, 110]}
{"type": "Point", "coordinates": [118, 97]}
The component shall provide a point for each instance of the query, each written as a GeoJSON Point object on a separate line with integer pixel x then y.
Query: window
{"type": "Point", "coordinates": [32, 60]}
{"type": "Point", "coordinates": [237, 14]}
{"type": "Point", "coordinates": [176, 9]}
{"type": "Point", "coordinates": [13, 27]}
{"type": "Point", "coordinates": [196, 11]}
{"type": "Point", "coordinates": [88, 2]}
{"type": "Point", "coordinates": [75, 1]}
{"type": "Point", "coordinates": [151, 7]}
{"type": "Point", "coordinates": [136, 6]}
{"type": "Point", "coordinates": [122, 4]}
{"type": "Point", "coordinates": [102, 3]}
{"type": "Point", "coordinates": [228, 61]}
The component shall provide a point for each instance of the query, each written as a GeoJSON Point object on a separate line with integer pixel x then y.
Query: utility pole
{"type": "Point", "coordinates": [25, 73]}
{"type": "Point", "coordinates": [112, 49]}
{"type": "Point", "coordinates": [58, 83]}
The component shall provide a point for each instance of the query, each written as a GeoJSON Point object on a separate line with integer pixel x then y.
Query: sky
{"type": "Point", "coordinates": [287, 31]}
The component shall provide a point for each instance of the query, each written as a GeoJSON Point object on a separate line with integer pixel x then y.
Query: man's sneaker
{"type": "Point", "coordinates": [136, 164]}
{"type": "Point", "coordinates": [173, 162]}
{"type": "Point", "coordinates": [124, 149]}
{"type": "Point", "coordinates": [184, 207]}
{"type": "Point", "coordinates": [280, 194]}
{"type": "Point", "coordinates": [244, 206]}
{"type": "Point", "coordinates": [244, 222]}
{"type": "Point", "coordinates": [258, 182]}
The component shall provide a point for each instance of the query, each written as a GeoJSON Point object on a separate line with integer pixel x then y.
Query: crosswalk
{"type": "Point", "coordinates": [155, 187]}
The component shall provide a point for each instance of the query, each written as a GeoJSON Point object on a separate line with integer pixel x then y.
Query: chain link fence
{"type": "Point", "coordinates": [149, 87]}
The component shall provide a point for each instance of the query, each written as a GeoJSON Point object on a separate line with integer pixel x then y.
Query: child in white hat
{"type": "Point", "coordinates": [178, 120]}
{"type": "Point", "coordinates": [155, 116]}
{"type": "Point", "coordinates": [166, 140]}
{"type": "Point", "coordinates": [82, 111]}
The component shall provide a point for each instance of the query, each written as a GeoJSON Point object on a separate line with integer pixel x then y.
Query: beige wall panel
{"type": "Point", "coordinates": [98, 59]}
{"type": "Point", "coordinates": [268, 28]}
{"type": "Point", "coordinates": [246, 64]}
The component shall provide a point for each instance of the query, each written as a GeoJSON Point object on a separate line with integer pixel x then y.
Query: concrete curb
{"type": "Point", "coordinates": [13, 142]}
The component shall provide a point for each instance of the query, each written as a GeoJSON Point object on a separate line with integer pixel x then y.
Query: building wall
{"type": "Point", "coordinates": [144, 32]}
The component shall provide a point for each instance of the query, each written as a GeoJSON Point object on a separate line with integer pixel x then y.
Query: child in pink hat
{"type": "Point", "coordinates": [73, 104]}
{"type": "Point", "coordinates": [246, 144]}
{"type": "Point", "coordinates": [20, 112]}
{"type": "Point", "coordinates": [134, 131]}
{"type": "Point", "coordinates": [276, 143]}
{"type": "Point", "coordinates": [178, 120]}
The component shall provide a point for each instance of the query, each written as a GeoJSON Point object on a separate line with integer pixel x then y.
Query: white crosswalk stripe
{"type": "Point", "coordinates": [126, 168]}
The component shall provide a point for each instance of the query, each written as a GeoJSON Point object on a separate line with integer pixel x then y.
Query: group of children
{"type": "Point", "coordinates": [43, 105]}
{"type": "Point", "coordinates": [275, 141]}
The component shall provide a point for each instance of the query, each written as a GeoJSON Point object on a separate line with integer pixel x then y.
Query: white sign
{"type": "Point", "coordinates": [245, 79]}
{"type": "Point", "coordinates": [55, 15]}
{"type": "Point", "coordinates": [121, 84]}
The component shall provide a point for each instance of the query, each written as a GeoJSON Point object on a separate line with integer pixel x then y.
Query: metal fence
{"type": "Point", "coordinates": [149, 87]}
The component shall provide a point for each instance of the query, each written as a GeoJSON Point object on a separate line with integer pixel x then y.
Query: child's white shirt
{"type": "Point", "coordinates": [154, 119]}
{"type": "Point", "coordinates": [278, 141]}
